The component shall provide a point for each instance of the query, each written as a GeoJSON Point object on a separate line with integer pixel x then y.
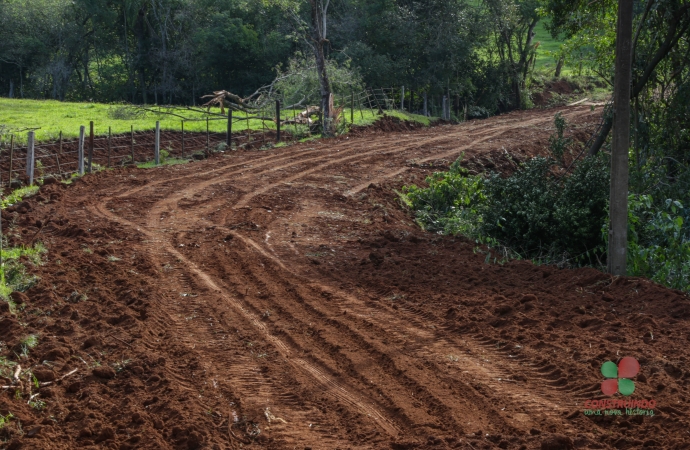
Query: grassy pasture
{"type": "Point", "coordinates": [49, 117]}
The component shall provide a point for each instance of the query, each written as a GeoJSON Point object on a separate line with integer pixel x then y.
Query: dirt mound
{"type": "Point", "coordinates": [387, 124]}
{"type": "Point", "coordinates": [283, 299]}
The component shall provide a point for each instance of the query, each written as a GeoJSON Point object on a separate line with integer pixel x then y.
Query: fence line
{"type": "Point", "coordinates": [66, 157]}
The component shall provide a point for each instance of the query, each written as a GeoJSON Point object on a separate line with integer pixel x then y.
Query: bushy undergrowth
{"type": "Point", "coordinates": [659, 241]}
{"type": "Point", "coordinates": [533, 212]}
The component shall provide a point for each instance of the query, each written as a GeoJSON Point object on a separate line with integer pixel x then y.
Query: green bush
{"type": "Point", "coordinates": [532, 211]}
{"type": "Point", "coordinates": [450, 204]}
{"type": "Point", "coordinates": [658, 243]}
{"type": "Point", "coordinates": [557, 143]}
{"type": "Point", "coordinates": [537, 213]}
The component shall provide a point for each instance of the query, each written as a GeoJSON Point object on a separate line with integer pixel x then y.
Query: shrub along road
{"type": "Point", "coordinates": [283, 299]}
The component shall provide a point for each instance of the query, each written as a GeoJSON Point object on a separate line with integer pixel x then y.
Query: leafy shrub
{"type": "Point", "coordinates": [658, 243]}
{"type": "Point", "coordinates": [558, 143]}
{"type": "Point", "coordinates": [450, 204]}
{"type": "Point", "coordinates": [532, 211]}
{"type": "Point", "coordinates": [537, 213]}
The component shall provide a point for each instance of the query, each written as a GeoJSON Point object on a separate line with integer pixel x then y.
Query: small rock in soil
{"type": "Point", "coordinates": [104, 372]}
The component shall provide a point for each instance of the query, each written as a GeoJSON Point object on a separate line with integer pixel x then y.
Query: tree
{"type": "Point", "coordinates": [618, 232]}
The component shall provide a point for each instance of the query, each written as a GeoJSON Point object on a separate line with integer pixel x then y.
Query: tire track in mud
{"type": "Point", "coordinates": [361, 317]}
{"type": "Point", "coordinates": [333, 387]}
{"type": "Point", "coordinates": [430, 346]}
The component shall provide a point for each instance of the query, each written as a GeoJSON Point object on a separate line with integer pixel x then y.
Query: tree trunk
{"type": "Point", "coordinates": [618, 228]}
{"type": "Point", "coordinates": [318, 28]}
{"type": "Point", "coordinates": [559, 67]}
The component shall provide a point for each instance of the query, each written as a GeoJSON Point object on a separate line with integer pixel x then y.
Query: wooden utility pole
{"type": "Point", "coordinates": [618, 231]}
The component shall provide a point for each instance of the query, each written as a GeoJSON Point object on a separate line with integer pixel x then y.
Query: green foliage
{"type": "Point", "coordinates": [538, 213]}
{"type": "Point", "coordinates": [299, 80]}
{"type": "Point", "coordinates": [658, 241]}
{"type": "Point", "coordinates": [4, 420]}
{"type": "Point", "coordinates": [557, 143]}
{"type": "Point", "coordinates": [17, 195]}
{"type": "Point", "coordinates": [450, 204]}
{"type": "Point", "coordinates": [532, 212]}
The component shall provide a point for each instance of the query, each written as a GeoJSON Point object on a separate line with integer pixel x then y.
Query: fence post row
{"type": "Point", "coordinates": [81, 150]}
{"type": "Point", "coordinates": [157, 148]}
{"type": "Point", "coordinates": [30, 158]}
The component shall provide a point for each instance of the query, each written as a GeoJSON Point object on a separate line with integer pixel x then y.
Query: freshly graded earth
{"type": "Point", "coordinates": [284, 299]}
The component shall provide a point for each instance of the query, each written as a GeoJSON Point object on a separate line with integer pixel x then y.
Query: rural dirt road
{"type": "Point", "coordinates": [283, 299]}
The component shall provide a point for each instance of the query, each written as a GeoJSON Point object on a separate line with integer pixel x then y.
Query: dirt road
{"type": "Point", "coordinates": [283, 299]}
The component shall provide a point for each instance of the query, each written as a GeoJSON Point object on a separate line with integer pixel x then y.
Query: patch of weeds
{"type": "Point", "coordinates": [38, 405]}
{"type": "Point", "coordinates": [4, 420]}
{"type": "Point", "coordinates": [75, 297]}
{"type": "Point", "coordinates": [27, 343]}
{"type": "Point", "coordinates": [121, 365]}
{"type": "Point", "coordinates": [6, 367]}
{"type": "Point", "coordinates": [18, 195]}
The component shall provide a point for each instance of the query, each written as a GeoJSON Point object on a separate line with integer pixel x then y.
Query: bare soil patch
{"type": "Point", "coordinates": [283, 299]}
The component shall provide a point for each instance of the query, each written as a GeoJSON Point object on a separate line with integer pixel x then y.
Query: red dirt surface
{"type": "Point", "coordinates": [283, 299]}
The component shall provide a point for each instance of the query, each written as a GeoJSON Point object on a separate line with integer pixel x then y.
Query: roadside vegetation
{"type": "Point", "coordinates": [544, 214]}
{"type": "Point", "coordinates": [13, 272]}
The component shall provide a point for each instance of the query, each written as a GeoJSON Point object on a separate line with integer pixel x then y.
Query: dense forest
{"type": "Point", "coordinates": [173, 51]}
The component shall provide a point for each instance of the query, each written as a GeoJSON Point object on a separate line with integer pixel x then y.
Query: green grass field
{"type": "Point", "coordinates": [548, 47]}
{"type": "Point", "coordinates": [49, 118]}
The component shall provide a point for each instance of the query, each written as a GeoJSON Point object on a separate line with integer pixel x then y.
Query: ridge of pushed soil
{"type": "Point", "coordinates": [283, 299]}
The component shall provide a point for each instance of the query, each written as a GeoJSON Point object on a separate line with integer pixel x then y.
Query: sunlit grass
{"type": "Point", "coordinates": [50, 117]}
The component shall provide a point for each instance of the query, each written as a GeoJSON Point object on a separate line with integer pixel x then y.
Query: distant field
{"type": "Point", "coordinates": [50, 117]}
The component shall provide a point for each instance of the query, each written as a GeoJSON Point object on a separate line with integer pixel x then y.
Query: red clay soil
{"type": "Point", "coordinates": [283, 299]}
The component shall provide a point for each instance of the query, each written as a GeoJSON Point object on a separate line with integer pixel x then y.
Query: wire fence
{"type": "Point", "coordinates": [65, 157]}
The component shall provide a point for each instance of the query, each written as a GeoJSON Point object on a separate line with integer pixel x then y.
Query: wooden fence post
{"type": "Point", "coordinates": [30, 158]}
{"type": "Point", "coordinates": [229, 136]}
{"type": "Point", "coordinates": [90, 144]}
{"type": "Point", "coordinates": [109, 145]}
{"type": "Point", "coordinates": [9, 180]}
{"type": "Point", "coordinates": [277, 120]}
{"type": "Point", "coordinates": [80, 152]}
{"type": "Point", "coordinates": [182, 122]}
{"type": "Point", "coordinates": [157, 145]}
